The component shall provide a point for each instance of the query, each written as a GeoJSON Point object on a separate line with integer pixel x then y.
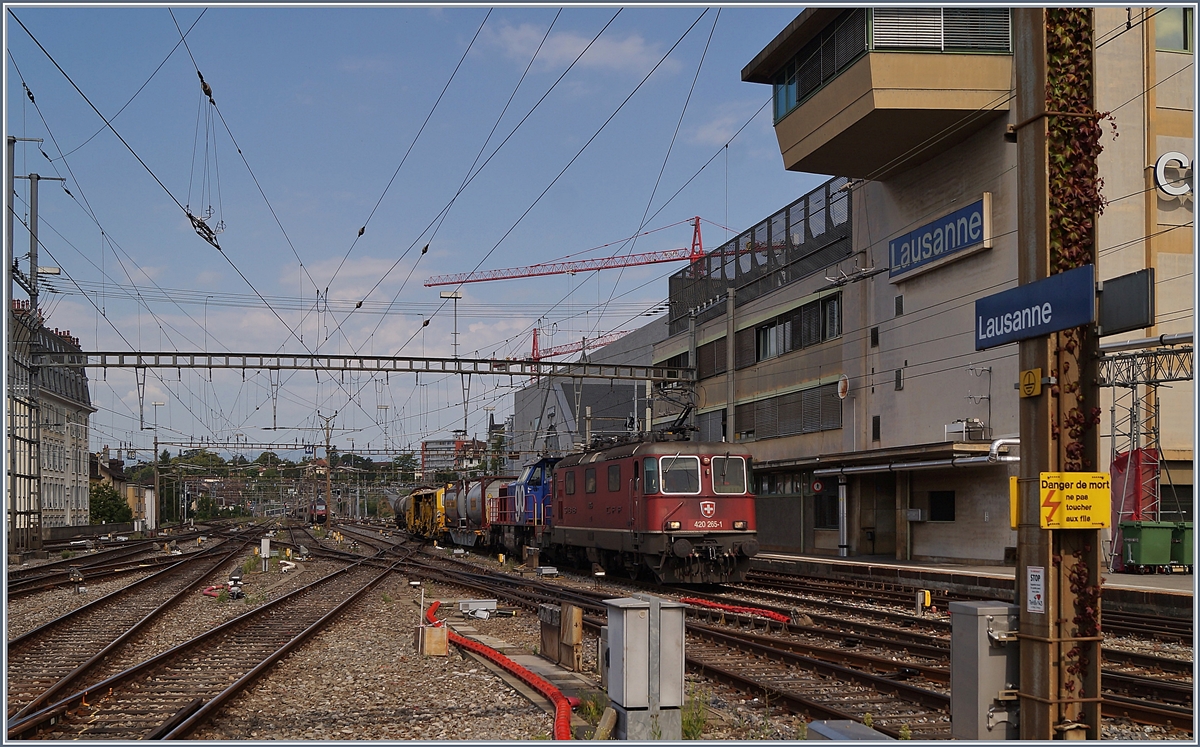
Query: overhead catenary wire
{"type": "Point", "coordinates": [567, 166]}
{"type": "Point", "coordinates": [108, 123]}
{"type": "Point", "coordinates": [480, 169]}
{"type": "Point", "coordinates": [90, 212]}
{"type": "Point", "coordinates": [411, 145]}
{"type": "Point", "coordinates": [666, 156]}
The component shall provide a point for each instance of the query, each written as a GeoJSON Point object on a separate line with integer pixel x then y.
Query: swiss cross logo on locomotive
{"type": "Point", "coordinates": [708, 508]}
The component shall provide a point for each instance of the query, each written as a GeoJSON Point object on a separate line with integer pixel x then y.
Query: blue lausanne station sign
{"type": "Point", "coordinates": [963, 229]}
{"type": "Point", "coordinates": [1058, 302]}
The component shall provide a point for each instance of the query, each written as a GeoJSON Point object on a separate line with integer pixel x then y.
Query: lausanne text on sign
{"type": "Point", "coordinates": [1058, 302]}
{"type": "Point", "coordinates": [964, 228]}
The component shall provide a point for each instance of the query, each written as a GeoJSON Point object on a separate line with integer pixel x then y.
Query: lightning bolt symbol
{"type": "Point", "coordinates": [1050, 504]}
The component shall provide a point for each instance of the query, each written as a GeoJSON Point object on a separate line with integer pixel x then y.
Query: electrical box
{"type": "Point", "coordinates": [914, 514]}
{"type": "Point", "coordinates": [645, 660]}
{"type": "Point", "coordinates": [671, 662]}
{"type": "Point", "coordinates": [628, 657]}
{"type": "Point", "coordinates": [971, 429]}
{"type": "Point", "coordinates": [984, 670]}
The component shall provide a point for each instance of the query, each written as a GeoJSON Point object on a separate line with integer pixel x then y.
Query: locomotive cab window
{"type": "Point", "coordinates": [569, 482]}
{"type": "Point", "coordinates": [650, 467]}
{"type": "Point", "coordinates": [729, 474]}
{"type": "Point", "coordinates": [589, 480]}
{"type": "Point", "coordinates": [614, 478]}
{"type": "Point", "coordinates": [681, 474]}
{"type": "Point", "coordinates": [532, 477]}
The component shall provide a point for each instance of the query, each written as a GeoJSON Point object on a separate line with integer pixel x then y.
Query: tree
{"type": "Point", "coordinates": [495, 461]}
{"type": "Point", "coordinates": [406, 466]}
{"type": "Point", "coordinates": [206, 508]}
{"type": "Point", "coordinates": [106, 506]}
{"type": "Point", "coordinates": [201, 458]}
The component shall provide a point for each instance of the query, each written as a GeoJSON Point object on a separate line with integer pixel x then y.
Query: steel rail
{"type": "Point", "coordinates": [190, 571]}
{"type": "Point", "coordinates": [198, 716]}
{"type": "Point", "coordinates": [236, 633]}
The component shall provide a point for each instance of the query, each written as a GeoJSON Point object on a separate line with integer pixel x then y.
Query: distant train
{"type": "Point", "coordinates": [677, 512]}
{"type": "Point", "coordinates": [313, 511]}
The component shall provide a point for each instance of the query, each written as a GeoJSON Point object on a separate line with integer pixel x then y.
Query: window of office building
{"type": "Point", "coordinates": [856, 31]}
{"type": "Point", "coordinates": [767, 341]}
{"type": "Point", "coordinates": [1173, 29]}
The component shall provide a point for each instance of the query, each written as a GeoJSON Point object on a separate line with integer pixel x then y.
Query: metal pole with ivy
{"type": "Point", "coordinates": [1058, 570]}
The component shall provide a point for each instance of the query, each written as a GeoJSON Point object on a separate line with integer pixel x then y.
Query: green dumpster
{"type": "Point", "coordinates": [1146, 544]}
{"type": "Point", "coordinates": [1181, 543]}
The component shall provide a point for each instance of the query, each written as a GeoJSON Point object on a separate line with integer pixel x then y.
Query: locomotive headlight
{"type": "Point", "coordinates": [674, 525]}
{"type": "Point", "coordinates": [739, 525]}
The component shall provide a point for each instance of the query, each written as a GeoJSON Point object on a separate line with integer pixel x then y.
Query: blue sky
{"type": "Point", "coordinates": [325, 105]}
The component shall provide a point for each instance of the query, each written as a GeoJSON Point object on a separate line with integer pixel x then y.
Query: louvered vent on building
{"type": "Point", "coordinates": [906, 28]}
{"type": "Point", "coordinates": [709, 424]}
{"type": "Point", "coordinates": [982, 29]}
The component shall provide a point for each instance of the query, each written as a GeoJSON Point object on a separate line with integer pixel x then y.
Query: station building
{"type": "Point", "coordinates": [835, 338]}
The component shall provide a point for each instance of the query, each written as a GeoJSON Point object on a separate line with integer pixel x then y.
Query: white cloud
{"type": "Point", "coordinates": [724, 121]}
{"type": "Point", "coordinates": [631, 54]}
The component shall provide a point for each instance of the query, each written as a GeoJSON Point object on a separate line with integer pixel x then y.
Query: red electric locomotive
{"type": "Point", "coordinates": [680, 511]}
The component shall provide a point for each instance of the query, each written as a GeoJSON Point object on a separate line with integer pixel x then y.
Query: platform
{"type": "Point", "coordinates": [1168, 594]}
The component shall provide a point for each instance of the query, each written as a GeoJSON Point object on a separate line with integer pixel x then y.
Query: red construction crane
{"type": "Point", "coordinates": [575, 347]}
{"type": "Point", "coordinates": [583, 265]}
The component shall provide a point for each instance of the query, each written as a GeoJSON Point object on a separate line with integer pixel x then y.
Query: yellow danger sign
{"type": "Point", "coordinates": [1075, 500]}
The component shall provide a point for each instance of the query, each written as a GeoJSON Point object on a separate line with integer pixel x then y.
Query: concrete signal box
{"type": "Point", "coordinates": [645, 666]}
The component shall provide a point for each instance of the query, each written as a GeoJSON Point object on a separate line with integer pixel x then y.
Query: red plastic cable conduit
{"type": "Point", "coordinates": [778, 617]}
{"type": "Point", "coordinates": [562, 708]}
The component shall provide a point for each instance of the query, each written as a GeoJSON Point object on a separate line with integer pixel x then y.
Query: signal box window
{"type": "Point", "coordinates": [614, 478]}
{"type": "Point", "coordinates": [650, 467]}
{"type": "Point", "coordinates": [941, 505]}
{"type": "Point", "coordinates": [569, 481]}
{"type": "Point", "coordinates": [589, 480]}
{"type": "Point", "coordinates": [729, 474]}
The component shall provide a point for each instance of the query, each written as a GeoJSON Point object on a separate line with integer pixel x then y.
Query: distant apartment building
{"type": "Point", "coordinates": [65, 409]}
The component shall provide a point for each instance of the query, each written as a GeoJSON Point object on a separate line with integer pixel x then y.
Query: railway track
{"type": "Point", "coordinates": [1144, 699]}
{"type": "Point", "coordinates": [105, 564]}
{"type": "Point", "coordinates": [169, 695]}
{"type": "Point", "coordinates": [71, 650]}
{"type": "Point", "coordinates": [817, 688]}
{"type": "Point", "coordinates": [1123, 623]}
